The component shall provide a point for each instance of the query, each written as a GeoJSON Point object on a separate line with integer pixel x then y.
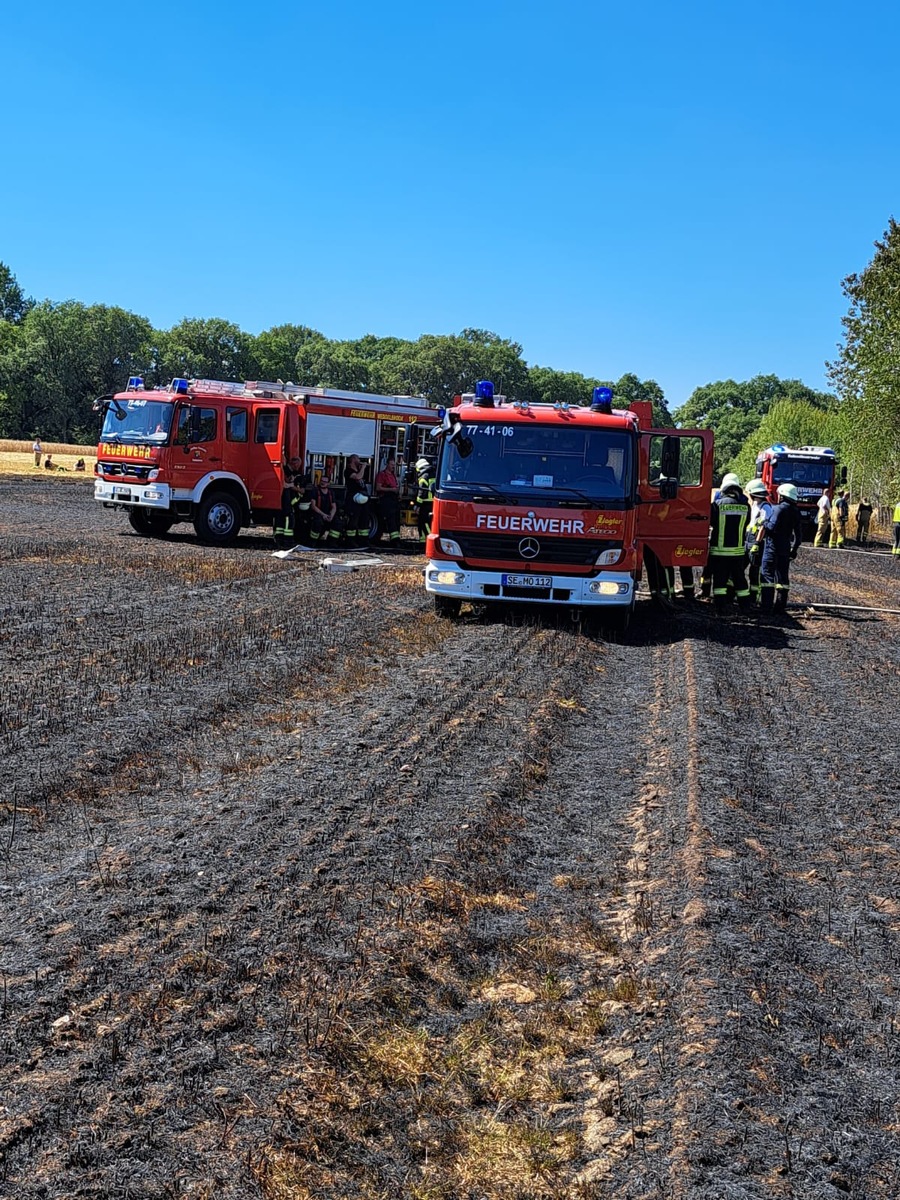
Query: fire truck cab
{"type": "Point", "coordinates": [561, 505]}
{"type": "Point", "coordinates": [215, 453]}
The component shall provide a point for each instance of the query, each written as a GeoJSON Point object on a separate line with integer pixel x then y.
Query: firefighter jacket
{"type": "Point", "coordinates": [784, 528]}
{"type": "Point", "coordinates": [425, 492]}
{"type": "Point", "coordinates": [759, 511]}
{"type": "Point", "coordinates": [896, 517]}
{"type": "Point", "coordinates": [728, 521]}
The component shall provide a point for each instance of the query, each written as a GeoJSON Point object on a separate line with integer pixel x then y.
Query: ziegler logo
{"type": "Point", "coordinates": [606, 524]}
{"type": "Point", "coordinates": [688, 552]}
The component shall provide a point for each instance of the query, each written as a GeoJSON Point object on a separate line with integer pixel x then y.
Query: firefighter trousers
{"type": "Point", "coordinates": [823, 529]}
{"type": "Point", "coordinates": [728, 576]}
{"type": "Point", "coordinates": [775, 575]}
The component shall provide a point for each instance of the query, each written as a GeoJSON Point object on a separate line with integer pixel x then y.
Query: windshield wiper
{"type": "Point", "coordinates": [594, 501]}
{"type": "Point", "coordinates": [474, 490]}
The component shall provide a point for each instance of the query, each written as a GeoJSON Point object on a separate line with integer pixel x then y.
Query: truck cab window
{"type": "Point", "coordinates": [236, 424]}
{"type": "Point", "coordinates": [690, 461]}
{"type": "Point", "coordinates": [267, 425]}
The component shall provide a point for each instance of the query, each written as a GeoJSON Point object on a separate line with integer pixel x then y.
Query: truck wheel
{"type": "Point", "coordinates": [149, 523]}
{"type": "Point", "coordinates": [218, 519]}
{"type": "Point", "coordinates": [446, 607]}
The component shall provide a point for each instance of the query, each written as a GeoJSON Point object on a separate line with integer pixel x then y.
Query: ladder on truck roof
{"type": "Point", "coordinates": [269, 390]}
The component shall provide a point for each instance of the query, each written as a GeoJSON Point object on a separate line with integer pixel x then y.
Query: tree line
{"type": "Point", "coordinates": [55, 358]}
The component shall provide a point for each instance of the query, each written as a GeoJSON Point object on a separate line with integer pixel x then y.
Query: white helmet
{"type": "Point", "coordinates": [423, 465]}
{"type": "Point", "coordinates": [787, 491]}
{"type": "Point", "coordinates": [360, 498]}
{"type": "Point", "coordinates": [756, 487]}
{"type": "Point", "coordinates": [730, 481]}
{"type": "Point", "coordinates": [303, 505]}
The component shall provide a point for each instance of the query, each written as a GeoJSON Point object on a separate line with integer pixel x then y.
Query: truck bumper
{"type": "Point", "coordinates": [129, 495]}
{"type": "Point", "coordinates": [610, 589]}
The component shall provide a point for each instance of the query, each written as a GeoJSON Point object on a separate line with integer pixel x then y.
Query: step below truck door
{"type": "Point", "coordinates": [675, 491]}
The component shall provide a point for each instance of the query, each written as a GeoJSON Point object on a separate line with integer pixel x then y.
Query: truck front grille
{"type": "Point", "coordinates": [504, 547]}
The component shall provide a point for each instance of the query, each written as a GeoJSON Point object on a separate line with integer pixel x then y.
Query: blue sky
{"type": "Point", "coordinates": [671, 189]}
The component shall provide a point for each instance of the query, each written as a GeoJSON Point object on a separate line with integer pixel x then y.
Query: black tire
{"type": "Point", "coordinates": [150, 523]}
{"type": "Point", "coordinates": [447, 608]}
{"type": "Point", "coordinates": [218, 519]}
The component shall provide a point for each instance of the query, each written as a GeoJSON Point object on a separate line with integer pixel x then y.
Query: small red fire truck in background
{"type": "Point", "coordinates": [812, 469]}
{"type": "Point", "coordinates": [215, 453]}
{"type": "Point", "coordinates": [560, 505]}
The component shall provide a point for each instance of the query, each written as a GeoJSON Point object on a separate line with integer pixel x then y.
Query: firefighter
{"type": "Point", "coordinates": [728, 522]}
{"type": "Point", "coordinates": [356, 502]}
{"type": "Point", "coordinates": [823, 521]}
{"type": "Point", "coordinates": [283, 526]}
{"type": "Point", "coordinates": [324, 510]}
{"type": "Point", "coordinates": [759, 510]}
{"type": "Point", "coordinates": [896, 521]}
{"type": "Point", "coordinates": [424, 496]}
{"type": "Point", "coordinates": [781, 535]}
{"type": "Point", "coordinates": [840, 510]}
{"type": "Point", "coordinates": [387, 489]}
{"type": "Point", "coordinates": [863, 517]}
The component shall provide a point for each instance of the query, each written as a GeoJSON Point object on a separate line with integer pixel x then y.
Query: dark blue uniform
{"type": "Point", "coordinates": [728, 520]}
{"type": "Point", "coordinates": [784, 532]}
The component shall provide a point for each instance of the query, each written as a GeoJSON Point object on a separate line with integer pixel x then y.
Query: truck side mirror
{"type": "Point", "coordinates": [669, 460]}
{"type": "Point", "coordinates": [843, 474]}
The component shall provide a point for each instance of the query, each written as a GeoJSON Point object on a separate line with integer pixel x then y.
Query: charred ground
{"type": "Point", "coordinates": [307, 893]}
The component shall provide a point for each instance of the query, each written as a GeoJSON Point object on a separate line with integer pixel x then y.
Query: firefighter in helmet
{"type": "Point", "coordinates": [759, 510]}
{"type": "Point", "coordinates": [781, 535]}
{"type": "Point", "coordinates": [728, 521]}
{"type": "Point", "coordinates": [424, 496]}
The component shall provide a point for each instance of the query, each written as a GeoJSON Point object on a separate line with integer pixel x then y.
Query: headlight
{"type": "Point", "coordinates": [606, 558]}
{"type": "Point", "coordinates": [154, 474]}
{"type": "Point", "coordinates": [606, 587]}
{"type": "Point", "coordinates": [448, 546]}
{"type": "Point", "coordinates": [152, 494]}
{"type": "Point", "coordinates": [446, 577]}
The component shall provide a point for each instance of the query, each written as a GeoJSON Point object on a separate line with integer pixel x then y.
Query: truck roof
{"type": "Point", "coordinates": [520, 414]}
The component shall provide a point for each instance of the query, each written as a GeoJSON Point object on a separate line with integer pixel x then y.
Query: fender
{"type": "Point", "coordinates": [195, 494]}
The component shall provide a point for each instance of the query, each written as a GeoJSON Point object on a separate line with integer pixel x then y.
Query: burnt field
{"type": "Point", "coordinates": [305, 893]}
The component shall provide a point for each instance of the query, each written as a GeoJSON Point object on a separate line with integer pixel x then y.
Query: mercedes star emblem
{"type": "Point", "coordinates": [529, 547]}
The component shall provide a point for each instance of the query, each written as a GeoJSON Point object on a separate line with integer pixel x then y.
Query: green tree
{"type": "Point", "coordinates": [276, 349]}
{"type": "Point", "coordinates": [734, 410]}
{"type": "Point", "coordinates": [793, 423]}
{"type": "Point", "coordinates": [58, 359]}
{"type": "Point", "coordinates": [867, 371]}
{"type": "Point", "coordinates": [631, 388]}
{"type": "Point", "coordinates": [13, 303]}
{"type": "Point", "coordinates": [210, 348]}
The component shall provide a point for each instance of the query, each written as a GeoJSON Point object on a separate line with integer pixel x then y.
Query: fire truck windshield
{"type": "Point", "coordinates": [553, 461]}
{"type": "Point", "coordinates": [802, 471]}
{"type": "Point", "coordinates": [144, 421]}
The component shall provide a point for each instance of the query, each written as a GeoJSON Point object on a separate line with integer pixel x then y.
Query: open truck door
{"type": "Point", "coordinates": [674, 495]}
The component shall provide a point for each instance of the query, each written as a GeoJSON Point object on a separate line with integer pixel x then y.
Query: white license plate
{"type": "Point", "coordinates": [527, 581]}
{"type": "Point", "coordinates": [123, 493]}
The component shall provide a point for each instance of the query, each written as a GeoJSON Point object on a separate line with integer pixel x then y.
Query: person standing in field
{"type": "Point", "coordinates": [823, 521]}
{"type": "Point", "coordinates": [781, 534]}
{"type": "Point", "coordinates": [863, 517]}
{"type": "Point", "coordinates": [840, 511]}
{"type": "Point", "coordinates": [38, 450]}
{"type": "Point", "coordinates": [896, 519]}
{"type": "Point", "coordinates": [387, 489]}
{"type": "Point", "coordinates": [728, 522]}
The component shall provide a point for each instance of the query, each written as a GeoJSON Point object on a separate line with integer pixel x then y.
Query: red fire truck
{"type": "Point", "coordinates": [561, 505]}
{"type": "Point", "coordinates": [214, 453]}
{"type": "Point", "coordinates": [812, 469]}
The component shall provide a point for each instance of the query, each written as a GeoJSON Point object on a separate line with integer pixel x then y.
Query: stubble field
{"type": "Point", "coordinates": [305, 893]}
